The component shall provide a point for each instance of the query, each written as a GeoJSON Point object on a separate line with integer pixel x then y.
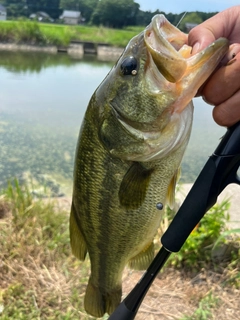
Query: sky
{"type": "Point", "coordinates": [178, 6]}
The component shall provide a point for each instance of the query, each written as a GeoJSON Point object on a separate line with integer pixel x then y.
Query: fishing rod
{"type": "Point", "coordinates": [219, 171]}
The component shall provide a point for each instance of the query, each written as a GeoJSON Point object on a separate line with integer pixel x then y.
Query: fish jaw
{"type": "Point", "coordinates": [147, 107]}
{"type": "Point", "coordinates": [161, 39]}
{"type": "Point", "coordinates": [199, 67]}
{"type": "Point", "coordinates": [172, 69]}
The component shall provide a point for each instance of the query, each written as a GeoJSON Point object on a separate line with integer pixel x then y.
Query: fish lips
{"type": "Point", "coordinates": [163, 41]}
{"type": "Point", "coordinates": [171, 55]}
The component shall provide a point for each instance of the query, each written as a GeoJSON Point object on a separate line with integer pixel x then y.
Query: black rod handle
{"type": "Point", "coordinates": [219, 171]}
{"type": "Point", "coordinates": [128, 308]}
{"type": "Point", "coordinates": [122, 313]}
{"type": "Point", "coordinates": [192, 210]}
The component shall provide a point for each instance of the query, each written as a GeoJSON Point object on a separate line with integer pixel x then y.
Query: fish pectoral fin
{"type": "Point", "coordinates": [78, 244]}
{"type": "Point", "coordinates": [142, 260]}
{"type": "Point", "coordinates": [171, 189]}
{"type": "Point", "coordinates": [134, 186]}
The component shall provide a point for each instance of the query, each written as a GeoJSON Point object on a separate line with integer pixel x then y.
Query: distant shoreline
{"type": "Point", "coordinates": [75, 50]}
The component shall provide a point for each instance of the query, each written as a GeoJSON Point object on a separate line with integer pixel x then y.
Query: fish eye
{"type": "Point", "coordinates": [129, 66]}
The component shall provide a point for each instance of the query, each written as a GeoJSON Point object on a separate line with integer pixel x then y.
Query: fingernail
{"type": "Point", "coordinates": [205, 100]}
{"type": "Point", "coordinates": [195, 47]}
{"type": "Point", "coordinates": [234, 49]}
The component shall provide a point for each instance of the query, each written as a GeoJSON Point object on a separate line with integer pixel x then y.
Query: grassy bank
{"type": "Point", "coordinates": [52, 34]}
{"type": "Point", "coordinates": [41, 280]}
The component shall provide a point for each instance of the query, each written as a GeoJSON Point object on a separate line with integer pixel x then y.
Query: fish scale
{"type": "Point", "coordinates": [131, 143]}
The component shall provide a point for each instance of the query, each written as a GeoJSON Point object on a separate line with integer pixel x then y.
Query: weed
{"type": "Point", "coordinates": [197, 250]}
{"type": "Point", "coordinates": [39, 277]}
{"type": "Point", "coordinates": [231, 240]}
{"type": "Point", "coordinates": [204, 310]}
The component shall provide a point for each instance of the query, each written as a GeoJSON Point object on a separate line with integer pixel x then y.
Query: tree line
{"type": "Point", "coordinates": [109, 13]}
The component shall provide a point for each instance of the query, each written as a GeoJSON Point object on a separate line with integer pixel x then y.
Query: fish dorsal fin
{"type": "Point", "coordinates": [134, 186]}
{"type": "Point", "coordinates": [171, 188]}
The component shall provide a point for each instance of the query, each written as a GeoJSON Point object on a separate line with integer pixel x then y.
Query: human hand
{"type": "Point", "coordinates": [222, 89]}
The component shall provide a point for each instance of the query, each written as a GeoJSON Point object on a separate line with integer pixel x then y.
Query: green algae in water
{"type": "Point", "coordinates": [43, 101]}
{"type": "Point", "coordinates": [39, 150]}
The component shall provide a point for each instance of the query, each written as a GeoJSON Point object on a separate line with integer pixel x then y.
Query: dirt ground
{"type": "Point", "coordinates": [175, 295]}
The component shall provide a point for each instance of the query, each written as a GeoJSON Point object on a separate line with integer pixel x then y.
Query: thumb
{"type": "Point", "coordinates": [224, 24]}
{"type": "Point", "coordinates": [199, 38]}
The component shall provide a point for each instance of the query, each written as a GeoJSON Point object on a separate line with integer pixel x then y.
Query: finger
{"type": "Point", "coordinates": [233, 50]}
{"type": "Point", "coordinates": [224, 24]}
{"type": "Point", "coordinates": [223, 83]}
{"type": "Point", "coordinates": [228, 112]}
{"type": "Point", "coordinates": [198, 43]}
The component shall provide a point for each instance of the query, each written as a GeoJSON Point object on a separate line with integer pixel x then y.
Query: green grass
{"type": "Point", "coordinates": [205, 307]}
{"type": "Point", "coordinates": [197, 249]}
{"type": "Point", "coordinates": [211, 245]}
{"type": "Point", "coordinates": [39, 277]}
{"type": "Point", "coordinates": [24, 31]}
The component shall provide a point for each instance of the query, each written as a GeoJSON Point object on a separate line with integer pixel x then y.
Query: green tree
{"type": "Point", "coordinates": [115, 13]}
{"type": "Point", "coordinates": [206, 15]}
{"type": "Point", "coordinates": [69, 5]}
{"type": "Point", "coordinates": [87, 8]}
{"type": "Point", "coordinates": [191, 17]}
{"type": "Point", "coordinates": [15, 8]}
{"type": "Point", "coordinates": [49, 6]}
{"type": "Point", "coordinates": [145, 17]}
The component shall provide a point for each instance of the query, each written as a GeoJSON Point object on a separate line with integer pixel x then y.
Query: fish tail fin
{"type": "Point", "coordinates": [142, 260]}
{"type": "Point", "coordinates": [97, 303]}
{"type": "Point", "coordinates": [78, 244]}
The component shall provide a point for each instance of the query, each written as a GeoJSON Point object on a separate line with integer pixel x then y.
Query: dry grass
{"type": "Point", "coordinates": [177, 295]}
{"type": "Point", "coordinates": [40, 279]}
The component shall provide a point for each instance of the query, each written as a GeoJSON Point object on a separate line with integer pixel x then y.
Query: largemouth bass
{"type": "Point", "coordinates": [130, 147]}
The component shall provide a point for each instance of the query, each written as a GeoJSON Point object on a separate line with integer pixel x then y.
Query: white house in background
{"type": "Point", "coordinates": [3, 13]}
{"type": "Point", "coordinates": [41, 17]}
{"type": "Point", "coordinates": [71, 17]}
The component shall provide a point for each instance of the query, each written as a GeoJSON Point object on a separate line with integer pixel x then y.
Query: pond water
{"type": "Point", "coordinates": [43, 98]}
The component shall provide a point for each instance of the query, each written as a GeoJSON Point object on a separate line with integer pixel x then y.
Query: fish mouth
{"type": "Point", "coordinates": [172, 56]}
